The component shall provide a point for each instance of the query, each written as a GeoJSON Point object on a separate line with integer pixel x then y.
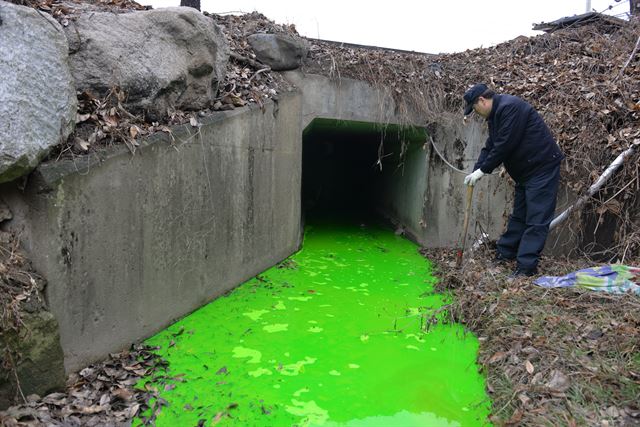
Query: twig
{"type": "Point", "coordinates": [229, 92]}
{"type": "Point", "coordinates": [619, 191]}
{"type": "Point", "coordinates": [248, 61]}
{"type": "Point", "coordinates": [14, 368]}
{"type": "Point", "coordinates": [262, 70]}
{"type": "Point", "coordinates": [633, 53]}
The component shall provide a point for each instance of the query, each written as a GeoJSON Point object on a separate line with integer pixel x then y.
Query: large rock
{"type": "Point", "coordinates": [37, 97]}
{"type": "Point", "coordinates": [37, 355]}
{"type": "Point", "coordinates": [279, 51]}
{"type": "Point", "coordinates": [170, 57]}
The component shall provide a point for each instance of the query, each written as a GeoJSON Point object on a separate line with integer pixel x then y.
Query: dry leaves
{"type": "Point", "coordinates": [20, 289]}
{"type": "Point", "coordinates": [551, 356]}
{"type": "Point", "coordinates": [247, 81]}
{"type": "Point", "coordinates": [101, 394]}
{"type": "Point", "coordinates": [529, 367]}
{"type": "Point", "coordinates": [105, 122]}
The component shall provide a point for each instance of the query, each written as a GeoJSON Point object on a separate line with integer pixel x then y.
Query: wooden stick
{"type": "Point", "coordinates": [248, 61]}
{"type": "Point", "coordinates": [465, 227]}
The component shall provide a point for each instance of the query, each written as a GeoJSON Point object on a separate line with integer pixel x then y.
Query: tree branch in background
{"type": "Point", "coordinates": [635, 50]}
{"type": "Point", "coordinates": [190, 3]}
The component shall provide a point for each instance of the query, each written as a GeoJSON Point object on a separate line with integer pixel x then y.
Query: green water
{"type": "Point", "coordinates": [333, 336]}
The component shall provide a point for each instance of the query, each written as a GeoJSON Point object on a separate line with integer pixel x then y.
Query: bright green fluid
{"type": "Point", "coordinates": [331, 337]}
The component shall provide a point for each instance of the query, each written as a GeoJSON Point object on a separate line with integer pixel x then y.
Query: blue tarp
{"type": "Point", "coordinates": [615, 278]}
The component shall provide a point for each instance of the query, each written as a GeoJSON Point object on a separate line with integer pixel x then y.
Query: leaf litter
{"type": "Point", "coordinates": [102, 394]}
{"type": "Point", "coordinates": [551, 356]}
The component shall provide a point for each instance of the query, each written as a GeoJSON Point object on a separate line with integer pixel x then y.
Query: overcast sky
{"type": "Point", "coordinates": [435, 26]}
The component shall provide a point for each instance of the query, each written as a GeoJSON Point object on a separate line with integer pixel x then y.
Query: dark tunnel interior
{"type": "Point", "coordinates": [344, 167]}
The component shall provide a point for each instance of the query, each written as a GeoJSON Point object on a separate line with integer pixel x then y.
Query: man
{"type": "Point", "coordinates": [519, 139]}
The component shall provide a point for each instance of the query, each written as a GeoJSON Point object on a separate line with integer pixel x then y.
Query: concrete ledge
{"type": "Point", "coordinates": [129, 243]}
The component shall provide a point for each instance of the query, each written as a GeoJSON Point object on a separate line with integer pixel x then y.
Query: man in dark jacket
{"type": "Point", "coordinates": [519, 139]}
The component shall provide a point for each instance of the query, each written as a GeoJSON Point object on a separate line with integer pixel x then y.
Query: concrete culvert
{"type": "Point", "coordinates": [348, 166]}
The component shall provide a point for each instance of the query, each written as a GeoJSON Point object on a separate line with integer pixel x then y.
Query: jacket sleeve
{"type": "Point", "coordinates": [483, 153]}
{"type": "Point", "coordinates": [510, 128]}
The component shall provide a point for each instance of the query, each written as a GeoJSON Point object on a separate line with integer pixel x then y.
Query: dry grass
{"type": "Point", "coordinates": [20, 289]}
{"type": "Point", "coordinates": [551, 356]}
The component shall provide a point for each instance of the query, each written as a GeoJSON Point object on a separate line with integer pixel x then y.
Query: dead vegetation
{"type": "Point", "coordinates": [551, 356]}
{"type": "Point", "coordinates": [105, 121]}
{"type": "Point", "coordinates": [20, 292]}
{"type": "Point", "coordinates": [102, 394]}
{"type": "Point", "coordinates": [20, 285]}
{"type": "Point", "coordinates": [247, 80]}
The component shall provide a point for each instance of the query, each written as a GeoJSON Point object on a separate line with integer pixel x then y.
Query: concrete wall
{"type": "Point", "coordinates": [128, 243]}
{"type": "Point", "coordinates": [343, 99]}
{"type": "Point", "coordinates": [425, 195]}
{"type": "Point", "coordinates": [428, 198]}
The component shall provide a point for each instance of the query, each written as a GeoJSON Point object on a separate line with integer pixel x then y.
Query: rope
{"type": "Point", "coordinates": [445, 160]}
{"type": "Point", "coordinates": [449, 164]}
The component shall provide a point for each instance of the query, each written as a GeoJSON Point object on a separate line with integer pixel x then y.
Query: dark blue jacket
{"type": "Point", "coordinates": [518, 138]}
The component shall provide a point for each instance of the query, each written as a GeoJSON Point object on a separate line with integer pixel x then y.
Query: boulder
{"type": "Point", "coordinates": [37, 96]}
{"type": "Point", "coordinates": [5, 212]}
{"type": "Point", "coordinates": [38, 358]}
{"type": "Point", "coordinates": [279, 51]}
{"type": "Point", "coordinates": [170, 57]}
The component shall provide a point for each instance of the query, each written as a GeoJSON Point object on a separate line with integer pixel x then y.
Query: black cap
{"type": "Point", "coordinates": [471, 96]}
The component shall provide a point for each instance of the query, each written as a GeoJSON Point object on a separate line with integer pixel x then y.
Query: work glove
{"type": "Point", "coordinates": [472, 178]}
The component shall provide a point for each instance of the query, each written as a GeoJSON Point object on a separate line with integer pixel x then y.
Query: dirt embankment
{"type": "Point", "coordinates": [564, 356]}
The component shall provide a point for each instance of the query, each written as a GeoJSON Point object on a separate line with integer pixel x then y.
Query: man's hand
{"type": "Point", "coordinates": [472, 178]}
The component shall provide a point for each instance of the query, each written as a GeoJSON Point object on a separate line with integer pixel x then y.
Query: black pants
{"type": "Point", "coordinates": [533, 208]}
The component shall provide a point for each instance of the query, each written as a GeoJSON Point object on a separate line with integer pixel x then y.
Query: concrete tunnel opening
{"type": "Point", "coordinates": [350, 168]}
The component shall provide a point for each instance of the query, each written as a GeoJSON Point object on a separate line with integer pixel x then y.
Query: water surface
{"type": "Point", "coordinates": [333, 336]}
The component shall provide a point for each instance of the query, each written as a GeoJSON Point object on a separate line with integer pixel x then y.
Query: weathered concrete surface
{"type": "Point", "coordinates": [427, 198]}
{"type": "Point", "coordinates": [343, 99]}
{"type": "Point", "coordinates": [37, 94]}
{"type": "Point", "coordinates": [130, 243]}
